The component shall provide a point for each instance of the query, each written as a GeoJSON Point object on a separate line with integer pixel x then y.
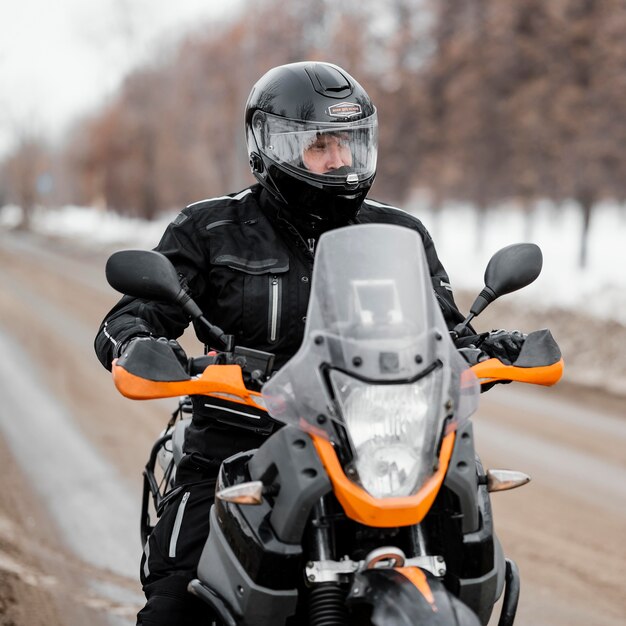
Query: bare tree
{"type": "Point", "coordinates": [23, 170]}
{"type": "Point", "coordinates": [524, 98]}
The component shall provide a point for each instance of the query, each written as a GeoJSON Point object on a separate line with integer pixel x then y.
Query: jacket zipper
{"type": "Point", "coordinates": [274, 317]}
{"type": "Point", "coordinates": [307, 246]}
{"type": "Point", "coordinates": [218, 223]}
{"type": "Point", "coordinates": [178, 522]}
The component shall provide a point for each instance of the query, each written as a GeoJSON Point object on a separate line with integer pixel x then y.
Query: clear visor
{"type": "Point", "coordinates": [329, 152]}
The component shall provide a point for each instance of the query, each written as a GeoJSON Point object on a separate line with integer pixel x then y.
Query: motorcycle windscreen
{"type": "Point", "coordinates": [376, 358]}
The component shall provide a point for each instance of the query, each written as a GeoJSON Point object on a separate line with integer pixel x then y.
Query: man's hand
{"type": "Point", "coordinates": [172, 343]}
{"type": "Point", "coordinates": [176, 349]}
{"type": "Point", "coordinates": [503, 345]}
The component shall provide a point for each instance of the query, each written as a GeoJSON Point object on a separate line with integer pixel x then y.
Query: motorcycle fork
{"type": "Point", "coordinates": [418, 541]}
{"type": "Point", "coordinates": [326, 600]}
{"type": "Point", "coordinates": [323, 540]}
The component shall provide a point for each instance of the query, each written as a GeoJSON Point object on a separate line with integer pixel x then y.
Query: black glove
{"type": "Point", "coordinates": [122, 346]}
{"type": "Point", "coordinates": [503, 345]}
{"type": "Point", "coordinates": [467, 346]}
{"type": "Point", "coordinates": [472, 355]}
{"type": "Point", "coordinates": [177, 349]}
{"type": "Point", "coordinates": [470, 340]}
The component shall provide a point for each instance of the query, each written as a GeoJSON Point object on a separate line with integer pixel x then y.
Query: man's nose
{"type": "Point", "coordinates": [335, 159]}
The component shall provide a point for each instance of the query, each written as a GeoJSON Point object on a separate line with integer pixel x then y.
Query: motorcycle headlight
{"type": "Point", "coordinates": [393, 429]}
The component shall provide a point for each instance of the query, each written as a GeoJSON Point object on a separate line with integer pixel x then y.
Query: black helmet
{"type": "Point", "coordinates": [312, 136]}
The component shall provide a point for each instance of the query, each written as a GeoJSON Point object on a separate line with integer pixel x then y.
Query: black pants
{"type": "Point", "coordinates": [171, 557]}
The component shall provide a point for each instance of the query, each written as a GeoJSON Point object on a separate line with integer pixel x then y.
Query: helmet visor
{"type": "Point", "coordinates": [342, 153]}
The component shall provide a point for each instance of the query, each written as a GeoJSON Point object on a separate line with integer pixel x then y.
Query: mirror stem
{"type": "Point", "coordinates": [194, 311]}
{"type": "Point", "coordinates": [188, 305]}
{"type": "Point", "coordinates": [217, 333]}
{"type": "Point", "coordinates": [460, 328]}
{"type": "Point", "coordinates": [484, 298]}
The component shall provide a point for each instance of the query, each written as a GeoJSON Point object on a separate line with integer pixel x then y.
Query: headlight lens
{"type": "Point", "coordinates": [393, 429]}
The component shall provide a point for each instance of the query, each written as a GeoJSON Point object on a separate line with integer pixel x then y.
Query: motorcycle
{"type": "Point", "coordinates": [369, 505]}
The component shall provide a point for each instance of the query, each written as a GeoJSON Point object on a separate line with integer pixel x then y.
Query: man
{"type": "Point", "coordinates": [247, 260]}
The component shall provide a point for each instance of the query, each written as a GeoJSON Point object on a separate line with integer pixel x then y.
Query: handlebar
{"type": "Point", "coordinates": [539, 363]}
{"type": "Point", "coordinates": [197, 365]}
{"type": "Point", "coordinates": [255, 364]}
{"type": "Point", "coordinates": [150, 370]}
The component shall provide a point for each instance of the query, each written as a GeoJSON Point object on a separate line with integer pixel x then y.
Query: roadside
{"type": "Point", "coordinates": [28, 594]}
{"type": "Point", "coordinates": [41, 583]}
{"type": "Point", "coordinates": [69, 543]}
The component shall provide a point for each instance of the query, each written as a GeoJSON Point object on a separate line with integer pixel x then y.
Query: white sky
{"type": "Point", "coordinates": [61, 59]}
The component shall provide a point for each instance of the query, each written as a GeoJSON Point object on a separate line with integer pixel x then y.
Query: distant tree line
{"type": "Point", "coordinates": [483, 101]}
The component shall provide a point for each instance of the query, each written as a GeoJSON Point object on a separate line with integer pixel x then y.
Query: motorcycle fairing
{"type": "Point", "coordinates": [475, 564]}
{"type": "Point", "coordinates": [289, 459]}
{"type": "Point", "coordinates": [373, 315]}
{"type": "Point", "coordinates": [249, 602]}
{"type": "Point", "coordinates": [252, 560]}
{"type": "Point", "coordinates": [364, 508]}
{"type": "Point", "coordinates": [377, 373]}
{"type": "Point", "coordinates": [398, 597]}
{"type": "Point", "coordinates": [265, 540]}
{"type": "Point", "coordinates": [256, 534]}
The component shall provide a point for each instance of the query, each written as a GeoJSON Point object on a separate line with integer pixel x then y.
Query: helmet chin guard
{"type": "Point", "coordinates": [304, 197]}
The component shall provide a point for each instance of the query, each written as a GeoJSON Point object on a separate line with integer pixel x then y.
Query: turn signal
{"type": "Point", "coordinates": [501, 480]}
{"type": "Point", "coordinates": [245, 493]}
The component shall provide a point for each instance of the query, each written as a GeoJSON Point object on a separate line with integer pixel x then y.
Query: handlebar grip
{"type": "Point", "coordinates": [197, 365]}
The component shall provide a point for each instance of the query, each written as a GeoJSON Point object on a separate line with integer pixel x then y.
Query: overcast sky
{"type": "Point", "coordinates": [60, 59]}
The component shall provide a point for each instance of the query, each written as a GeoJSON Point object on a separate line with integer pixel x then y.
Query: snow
{"type": "Point", "coordinates": [599, 289]}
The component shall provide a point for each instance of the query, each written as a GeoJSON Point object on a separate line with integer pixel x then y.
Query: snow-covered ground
{"type": "Point", "coordinates": [598, 290]}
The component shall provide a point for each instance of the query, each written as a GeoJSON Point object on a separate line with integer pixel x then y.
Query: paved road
{"type": "Point", "coordinates": [74, 450]}
{"type": "Point", "coordinates": [564, 528]}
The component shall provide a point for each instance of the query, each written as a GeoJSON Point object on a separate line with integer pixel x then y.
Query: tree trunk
{"type": "Point", "coordinates": [481, 224]}
{"type": "Point", "coordinates": [529, 215]}
{"type": "Point", "coordinates": [586, 204]}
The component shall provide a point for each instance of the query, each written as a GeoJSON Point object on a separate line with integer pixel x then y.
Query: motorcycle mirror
{"type": "Point", "coordinates": [513, 268]}
{"type": "Point", "coordinates": [150, 275]}
{"type": "Point", "coordinates": [143, 274]}
{"type": "Point", "coordinates": [509, 269]}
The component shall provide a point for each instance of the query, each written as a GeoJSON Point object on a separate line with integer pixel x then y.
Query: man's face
{"type": "Point", "coordinates": [329, 151]}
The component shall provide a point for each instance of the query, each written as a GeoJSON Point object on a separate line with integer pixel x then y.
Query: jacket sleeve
{"type": "Point", "coordinates": [132, 317]}
{"type": "Point", "coordinates": [440, 281]}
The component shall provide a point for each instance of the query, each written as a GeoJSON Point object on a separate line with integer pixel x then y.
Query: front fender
{"type": "Point", "coordinates": [405, 597]}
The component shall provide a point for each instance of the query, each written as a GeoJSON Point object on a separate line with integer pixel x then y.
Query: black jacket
{"type": "Point", "coordinates": [249, 269]}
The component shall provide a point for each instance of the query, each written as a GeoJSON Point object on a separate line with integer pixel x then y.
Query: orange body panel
{"type": "Point", "coordinates": [418, 578]}
{"type": "Point", "coordinates": [383, 512]}
{"type": "Point", "coordinates": [216, 380]}
{"type": "Point", "coordinates": [494, 370]}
